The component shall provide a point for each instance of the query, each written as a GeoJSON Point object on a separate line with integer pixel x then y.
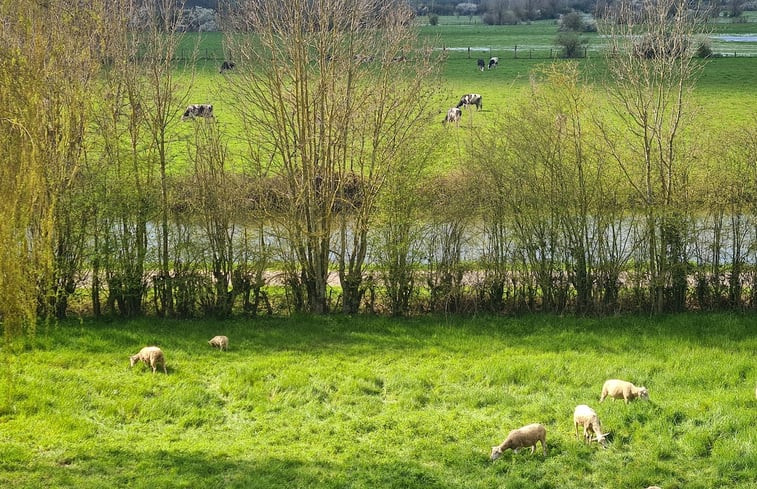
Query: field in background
{"type": "Point", "coordinates": [725, 92]}
{"type": "Point", "coordinates": [535, 40]}
{"type": "Point", "coordinates": [367, 402]}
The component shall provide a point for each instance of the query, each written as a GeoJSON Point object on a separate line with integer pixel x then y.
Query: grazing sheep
{"type": "Point", "coordinates": [526, 436]}
{"type": "Point", "coordinates": [586, 417]}
{"type": "Point", "coordinates": [152, 356]}
{"type": "Point", "coordinates": [654, 487]}
{"type": "Point", "coordinates": [620, 388]}
{"type": "Point", "coordinates": [221, 342]}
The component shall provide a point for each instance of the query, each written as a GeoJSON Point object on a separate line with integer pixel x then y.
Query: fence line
{"type": "Point", "coordinates": [521, 52]}
{"type": "Point", "coordinates": [516, 52]}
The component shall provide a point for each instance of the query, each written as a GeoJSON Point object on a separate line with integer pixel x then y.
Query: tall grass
{"type": "Point", "coordinates": [371, 402]}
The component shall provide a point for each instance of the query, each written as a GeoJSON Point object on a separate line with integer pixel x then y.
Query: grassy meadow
{"type": "Point", "coordinates": [370, 402]}
{"type": "Point", "coordinates": [343, 402]}
{"type": "Point", "coordinates": [723, 98]}
{"type": "Point", "coordinates": [724, 93]}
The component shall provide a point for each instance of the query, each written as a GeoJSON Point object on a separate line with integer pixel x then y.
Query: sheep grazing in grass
{"type": "Point", "coordinates": [586, 417]}
{"type": "Point", "coordinates": [220, 342]}
{"type": "Point", "coordinates": [621, 389]}
{"type": "Point", "coordinates": [654, 487]}
{"type": "Point", "coordinates": [526, 436]}
{"type": "Point", "coordinates": [152, 356]}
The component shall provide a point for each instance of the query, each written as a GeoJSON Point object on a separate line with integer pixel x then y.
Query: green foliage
{"type": "Point", "coordinates": [704, 50]}
{"type": "Point", "coordinates": [572, 44]}
{"type": "Point", "coordinates": [333, 402]}
{"type": "Point", "coordinates": [572, 21]}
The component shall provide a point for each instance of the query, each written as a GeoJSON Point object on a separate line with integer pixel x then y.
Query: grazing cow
{"type": "Point", "coordinates": [493, 62]}
{"type": "Point", "coordinates": [197, 110]}
{"type": "Point", "coordinates": [471, 99]}
{"type": "Point", "coordinates": [481, 64]}
{"type": "Point", "coordinates": [227, 65]}
{"type": "Point", "coordinates": [453, 115]}
{"type": "Point", "coordinates": [363, 58]}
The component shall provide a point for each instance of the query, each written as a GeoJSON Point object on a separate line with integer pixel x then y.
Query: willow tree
{"type": "Point", "coordinates": [48, 59]}
{"type": "Point", "coordinates": [21, 173]}
{"type": "Point", "coordinates": [650, 58]}
{"type": "Point", "coordinates": [332, 93]}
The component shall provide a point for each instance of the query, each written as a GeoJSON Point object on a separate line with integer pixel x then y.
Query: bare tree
{"type": "Point", "coordinates": [329, 102]}
{"type": "Point", "coordinates": [212, 200]}
{"type": "Point", "coordinates": [158, 37]}
{"type": "Point", "coordinates": [653, 72]}
{"type": "Point", "coordinates": [140, 98]}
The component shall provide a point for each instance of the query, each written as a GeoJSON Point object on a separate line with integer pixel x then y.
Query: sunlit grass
{"type": "Point", "coordinates": [374, 402]}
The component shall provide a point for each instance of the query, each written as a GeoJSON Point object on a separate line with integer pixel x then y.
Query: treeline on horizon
{"type": "Point", "coordinates": [515, 11]}
{"type": "Point", "coordinates": [511, 11]}
{"type": "Point", "coordinates": [574, 200]}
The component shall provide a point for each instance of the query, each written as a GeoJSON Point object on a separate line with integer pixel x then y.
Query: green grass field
{"type": "Point", "coordinates": [725, 86]}
{"type": "Point", "coordinates": [372, 402]}
{"type": "Point", "coordinates": [724, 94]}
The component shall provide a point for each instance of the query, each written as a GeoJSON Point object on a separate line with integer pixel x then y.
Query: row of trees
{"type": "Point", "coordinates": [505, 11]}
{"type": "Point", "coordinates": [324, 178]}
{"type": "Point", "coordinates": [500, 12]}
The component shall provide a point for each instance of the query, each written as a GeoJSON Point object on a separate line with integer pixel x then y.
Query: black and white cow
{"type": "Point", "coordinates": [227, 65]}
{"type": "Point", "coordinates": [453, 115]}
{"type": "Point", "coordinates": [197, 110]}
{"type": "Point", "coordinates": [493, 62]}
{"type": "Point", "coordinates": [363, 58]}
{"type": "Point", "coordinates": [481, 64]}
{"type": "Point", "coordinates": [471, 99]}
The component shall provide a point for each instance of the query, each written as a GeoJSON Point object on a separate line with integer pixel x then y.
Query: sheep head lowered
{"type": "Point", "coordinates": [587, 417]}
{"type": "Point", "coordinates": [150, 355]}
{"type": "Point", "coordinates": [526, 436]}
{"type": "Point", "coordinates": [220, 342]}
{"type": "Point", "coordinates": [620, 389]}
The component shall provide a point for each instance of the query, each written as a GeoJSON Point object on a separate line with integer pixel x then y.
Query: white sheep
{"type": "Point", "coordinates": [587, 417]}
{"type": "Point", "coordinates": [654, 487]}
{"type": "Point", "coordinates": [621, 389]}
{"type": "Point", "coordinates": [152, 356]}
{"type": "Point", "coordinates": [221, 342]}
{"type": "Point", "coordinates": [526, 436]}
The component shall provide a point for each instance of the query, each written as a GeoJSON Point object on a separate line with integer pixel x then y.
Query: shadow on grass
{"type": "Point", "coordinates": [169, 469]}
{"type": "Point", "coordinates": [315, 333]}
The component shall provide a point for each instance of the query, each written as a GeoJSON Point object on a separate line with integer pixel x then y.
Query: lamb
{"type": "Point", "coordinates": [586, 417]}
{"type": "Point", "coordinates": [152, 356]}
{"type": "Point", "coordinates": [526, 436]}
{"type": "Point", "coordinates": [620, 388]}
{"type": "Point", "coordinates": [221, 342]}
